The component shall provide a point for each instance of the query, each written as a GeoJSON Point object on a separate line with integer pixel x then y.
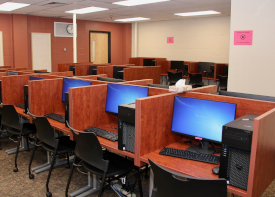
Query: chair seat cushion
{"type": "Point", "coordinates": [65, 145]}
{"type": "Point", "coordinates": [117, 165]}
{"type": "Point", "coordinates": [27, 129]}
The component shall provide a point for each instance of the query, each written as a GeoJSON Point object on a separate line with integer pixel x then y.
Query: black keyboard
{"type": "Point", "coordinates": [185, 154]}
{"type": "Point", "coordinates": [56, 117]}
{"type": "Point", "coordinates": [103, 133]}
{"type": "Point", "coordinates": [22, 105]}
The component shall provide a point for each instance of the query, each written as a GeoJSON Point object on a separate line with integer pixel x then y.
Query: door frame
{"type": "Point", "coordinates": [109, 43]}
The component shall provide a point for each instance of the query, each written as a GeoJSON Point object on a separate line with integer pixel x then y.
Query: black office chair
{"type": "Point", "coordinates": [195, 80]}
{"type": "Point", "coordinates": [10, 121]}
{"type": "Point", "coordinates": [103, 164]}
{"type": "Point", "coordinates": [223, 82]}
{"type": "Point", "coordinates": [168, 183]}
{"type": "Point", "coordinates": [173, 77]}
{"type": "Point", "coordinates": [55, 145]}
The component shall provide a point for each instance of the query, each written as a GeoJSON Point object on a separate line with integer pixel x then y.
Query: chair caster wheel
{"type": "Point", "coordinates": [31, 176]}
{"type": "Point", "coordinates": [49, 194]}
{"type": "Point", "coordinates": [67, 166]}
{"type": "Point", "coordinates": [15, 169]}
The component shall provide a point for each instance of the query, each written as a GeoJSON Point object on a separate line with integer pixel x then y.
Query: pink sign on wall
{"type": "Point", "coordinates": [243, 37]}
{"type": "Point", "coordinates": [170, 39]}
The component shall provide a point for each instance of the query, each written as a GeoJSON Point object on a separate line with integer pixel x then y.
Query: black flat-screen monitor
{"type": "Point", "coordinates": [225, 70]}
{"type": "Point", "coordinates": [9, 73]}
{"type": "Point", "coordinates": [249, 96]}
{"type": "Point", "coordinates": [201, 119]}
{"type": "Point", "coordinates": [149, 62]}
{"type": "Point", "coordinates": [72, 68]}
{"type": "Point", "coordinates": [109, 79]}
{"type": "Point", "coordinates": [40, 71]}
{"type": "Point", "coordinates": [35, 78]}
{"type": "Point", "coordinates": [118, 94]}
{"type": "Point", "coordinates": [91, 68]}
{"type": "Point", "coordinates": [158, 86]}
{"type": "Point", "coordinates": [116, 69]}
{"type": "Point", "coordinates": [205, 66]}
{"type": "Point", "coordinates": [177, 65]}
{"type": "Point", "coordinates": [71, 83]}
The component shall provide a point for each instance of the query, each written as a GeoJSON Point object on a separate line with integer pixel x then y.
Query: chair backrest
{"type": "Point", "coordinates": [44, 130]}
{"type": "Point", "coordinates": [89, 149]}
{"type": "Point", "coordinates": [10, 117]}
{"type": "Point", "coordinates": [195, 78]}
{"type": "Point", "coordinates": [167, 183]}
{"type": "Point", "coordinates": [174, 76]}
{"type": "Point", "coordinates": [223, 81]}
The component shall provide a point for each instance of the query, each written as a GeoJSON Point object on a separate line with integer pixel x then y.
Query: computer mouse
{"type": "Point", "coordinates": [216, 170]}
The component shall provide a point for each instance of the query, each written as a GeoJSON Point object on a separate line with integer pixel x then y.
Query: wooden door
{"type": "Point", "coordinates": [99, 47]}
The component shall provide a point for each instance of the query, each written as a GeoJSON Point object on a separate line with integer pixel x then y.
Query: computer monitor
{"type": "Point", "coordinates": [35, 78]}
{"type": "Point", "coordinates": [177, 65]}
{"type": "Point", "coordinates": [149, 62]}
{"type": "Point", "coordinates": [40, 71]}
{"type": "Point", "coordinates": [249, 96]}
{"type": "Point", "coordinates": [9, 73]}
{"type": "Point", "coordinates": [118, 94]}
{"type": "Point", "coordinates": [201, 119]}
{"type": "Point", "coordinates": [159, 86]}
{"type": "Point", "coordinates": [91, 68]}
{"type": "Point", "coordinates": [116, 69]}
{"type": "Point", "coordinates": [72, 68]}
{"type": "Point", "coordinates": [109, 79]}
{"type": "Point", "coordinates": [71, 83]}
{"type": "Point", "coordinates": [225, 70]}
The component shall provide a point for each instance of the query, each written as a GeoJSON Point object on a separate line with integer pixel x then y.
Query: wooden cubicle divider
{"type": "Point", "coordinates": [152, 72]}
{"type": "Point", "coordinates": [131, 74]}
{"type": "Point", "coordinates": [105, 70]}
{"type": "Point", "coordinates": [45, 96]}
{"type": "Point", "coordinates": [13, 89]}
{"type": "Point", "coordinates": [65, 73]}
{"type": "Point", "coordinates": [81, 69]}
{"type": "Point", "coordinates": [64, 67]}
{"type": "Point", "coordinates": [3, 74]}
{"type": "Point", "coordinates": [142, 82]}
{"type": "Point", "coordinates": [92, 77]}
{"type": "Point", "coordinates": [138, 61]}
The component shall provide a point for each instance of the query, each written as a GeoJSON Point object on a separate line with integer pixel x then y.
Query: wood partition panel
{"type": "Point", "coordinates": [152, 72]}
{"type": "Point", "coordinates": [142, 82]}
{"type": "Point", "coordinates": [18, 69]}
{"type": "Point", "coordinates": [193, 67]}
{"type": "Point", "coordinates": [219, 70]}
{"type": "Point", "coordinates": [98, 82]}
{"type": "Point", "coordinates": [135, 61]}
{"type": "Point", "coordinates": [153, 123]}
{"type": "Point", "coordinates": [66, 73]}
{"type": "Point", "coordinates": [2, 74]}
{"type": "Point", "coordinates": [92, 77]}
{"type": "Point", "coordinates": [131, 74]}
{"type": "Point", "coordinates": [87, 107]}
{"type": "Point", "coordinates": [163, 65]}
{"type": "Point", "coordinates": [206, 89]}
{"type": "Point", "coordinates": [13, 89]}
{"type": "Point", "coordinates": [45, 96]}
{"type": "Point", "coordinates": [106, 70]}
{"type": "Point", "coordinates": [261, 170]}
{"type": "Point", "coordinates": [81, 69]}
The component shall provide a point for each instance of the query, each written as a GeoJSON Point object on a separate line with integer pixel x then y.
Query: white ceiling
{"type": "Point", "coordinates": [156, 11]}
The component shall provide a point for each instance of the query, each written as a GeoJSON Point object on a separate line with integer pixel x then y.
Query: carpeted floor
{"type": "Point", "coordinates": [19, 185]}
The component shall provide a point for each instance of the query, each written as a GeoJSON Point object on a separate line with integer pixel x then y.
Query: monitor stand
{"type": "Point", "coordinates": [202, 148]}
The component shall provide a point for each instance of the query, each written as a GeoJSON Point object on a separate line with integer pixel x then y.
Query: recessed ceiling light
{"type": "Point", "coordinates": [132, 19]}
{"type": "Point", "coordinates": [87, 10]}
{"type": "Point", "coordinates": [10, 6]}
{"type": "Point", "coordinates": [197, 13]}
{"type": "Point", "coordinates": [137, 2]}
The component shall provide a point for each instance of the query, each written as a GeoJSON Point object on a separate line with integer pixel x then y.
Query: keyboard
{"type": "Point", "coordinates": [185, 154]}
{"type": "Point", "coordinates": [56, 117]}
{"type": "Point", "coordinates": [22, 105]}
{"type": "Point", "coordinates": [103, 133]}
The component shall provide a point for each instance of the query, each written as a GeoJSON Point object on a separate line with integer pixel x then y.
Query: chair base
{"type": "Point", "coordinates": [93, 186]}
{"type": "Point", "coordinates": [46, 166]}
{"type": "Point", "coordinates": [23, 146]}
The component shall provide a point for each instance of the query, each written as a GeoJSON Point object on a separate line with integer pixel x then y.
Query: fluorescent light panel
{"type": "Point", "coordinates": [132, 19]}
{"type": "Point", "coordinates": [137, 2]}
{"type": "Point", "coordinates": [10, 6]}
{"type": "Point", "coordinates": [87, 10]}
{"type": "Point", "coordinates": [197, 13]}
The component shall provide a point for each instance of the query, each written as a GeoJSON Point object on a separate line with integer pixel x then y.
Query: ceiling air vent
{"type": "Point", "coordinates": [54, 4]}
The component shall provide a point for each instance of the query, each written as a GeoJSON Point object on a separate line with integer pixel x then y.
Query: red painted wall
{"type": "Point", "coordinates": [17, 31]}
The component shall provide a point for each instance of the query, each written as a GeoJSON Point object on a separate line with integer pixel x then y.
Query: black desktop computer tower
{"type": "Point", "coordinates": [26, 98]}
{"type": "Point", "coordinates": [66, 108]}
{"type": "Point", "coordinates": [126, 127]}
{"type": "Point", "coordinates": [235, 151]}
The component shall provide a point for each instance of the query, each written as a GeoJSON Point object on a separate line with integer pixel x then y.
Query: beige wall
{"type": "Point", "coordinates": [252, 68]}
{"type": "Point", "coordinates": [201, 39]}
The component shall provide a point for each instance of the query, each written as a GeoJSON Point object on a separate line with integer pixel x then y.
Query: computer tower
{"type": "Point", "coordinates": [126, 127]}
{"type": "Point", "coordinates": [235, 151]}
{"type": "Point", "coordinates": [26, 98]}
{"type": "Point", "coordinates": [66, 108]}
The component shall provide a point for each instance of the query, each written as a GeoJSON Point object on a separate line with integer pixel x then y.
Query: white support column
{"type": "Point", "coordinates": [134, 40]}
{"type": "Point", "coordinates": [74, 39]}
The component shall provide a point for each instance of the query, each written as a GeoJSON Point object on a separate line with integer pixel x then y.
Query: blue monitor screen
{"type": "Point", "coordinates": [35, 78]}
{"type": "Point", "coordinates": [118, 94]}
{"type": "Point", "coordinates": [201, 118]}
{"type": "Point", "coordinates": [71, 83]}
